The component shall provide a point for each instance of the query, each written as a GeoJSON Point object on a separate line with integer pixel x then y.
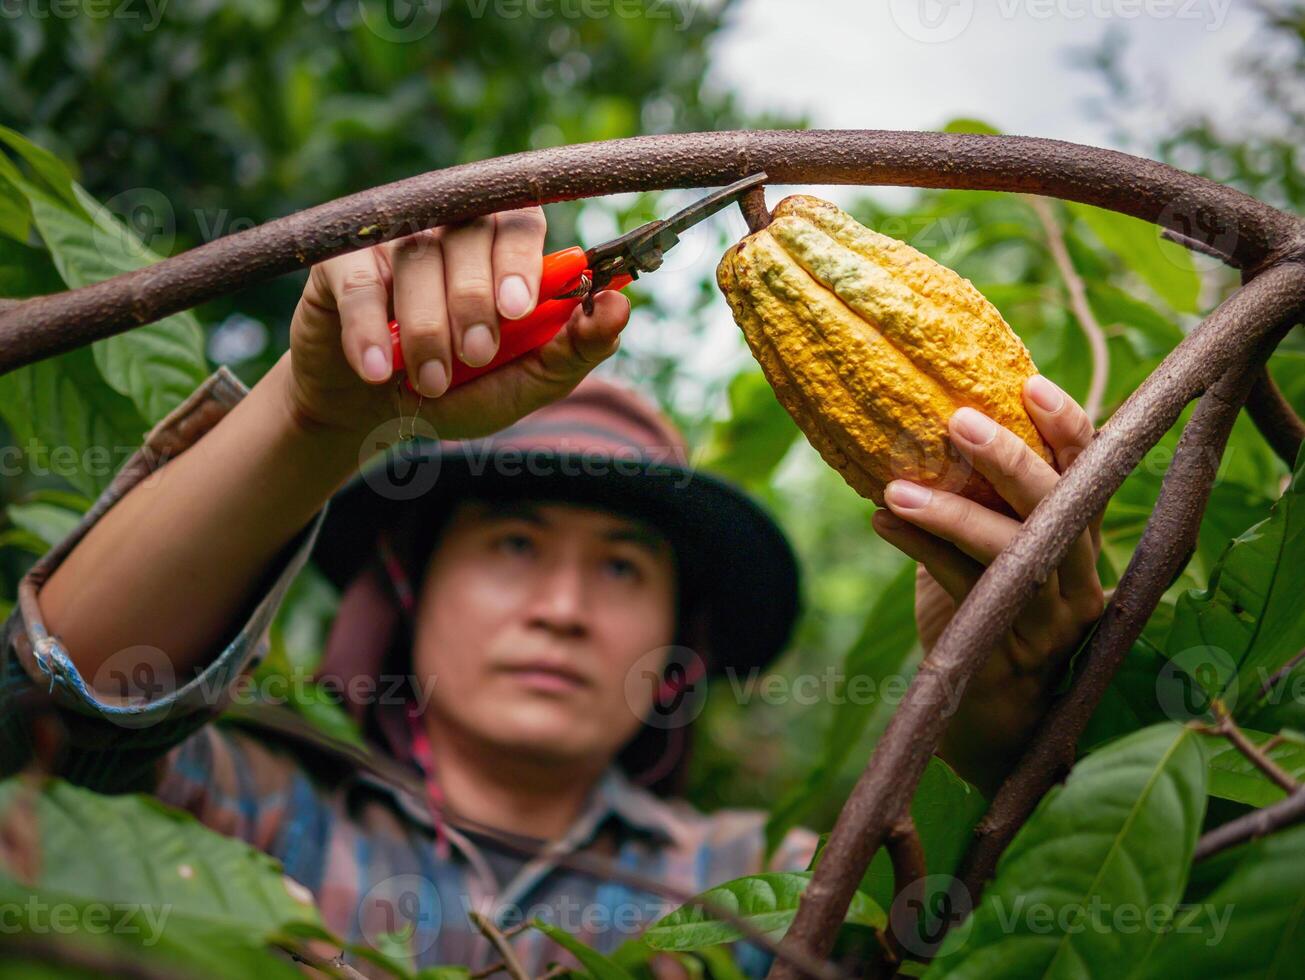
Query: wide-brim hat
{"type": "Point", "coordinates": [603, 446]}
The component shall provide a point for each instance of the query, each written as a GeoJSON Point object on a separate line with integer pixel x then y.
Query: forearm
{"type": "Point", "coordinates": [179, 556]}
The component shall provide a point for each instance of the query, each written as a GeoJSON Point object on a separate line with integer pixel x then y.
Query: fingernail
{"type": "Point", "coordinates": [887, 520]}
{"type": "Point", "coordinates": [513, 297]}
{"type": "Point", "coordinates": [907, 495]}
{"type": "Point", "coordinates": [1045, 394]}
{"type": "Point", "coordinates": [478, 345]}
{"type": "Point", "coordinates": [974, 427]}
{"type": "Point", "coordinates": [432, 379]}
{"type": "Point", "coordinates": [375, 363]}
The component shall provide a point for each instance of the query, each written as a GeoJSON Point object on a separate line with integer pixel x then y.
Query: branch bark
{"type": "Point", "coordinates": [1275, 418]}
{"type": "Point", "coordinates": [1180, 201]}
{"type": "Point", "coordinates": [1268, 303]}
{"type": "Point", "coordinates": [1257, 823]}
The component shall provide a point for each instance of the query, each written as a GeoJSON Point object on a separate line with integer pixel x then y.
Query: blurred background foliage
{"type": "Point", "coordinates": [228, 115]}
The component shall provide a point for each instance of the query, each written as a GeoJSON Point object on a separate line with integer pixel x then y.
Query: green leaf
{"type": "Point", "coordinates": [1165, 267]}
{"type": "Point", "coordinates": [886, 639]}
{"type": "Point", "coordinates": [48, 522]}
{"type": "Point", "coordinates": [1115, 839]}
{"type": "Point", "coordinates": [156, 365]}
{"type": "Point", "coordinates": [26, 271]}
{"type": "Point", "coordinates": [768, 902]}
{"type": "Point", "coordinates": [599, 966]}
{"type": "Point", "coordinates": [49, 169]}
{"type": "Point", "coordinates": [1235, 777]}
{"type": "Point", "coordinates": [1251, 927]}
{"type": "Point", "coordinates": [757, 435]}
{"type": "Point", "coordinates": [68, 422]}
{"type": "Point", "coordinates": [1250, 621]}
{"type": "Point", "coordinates": [966, 125]}
{"type": "Point", "coordinates": [195, 896]}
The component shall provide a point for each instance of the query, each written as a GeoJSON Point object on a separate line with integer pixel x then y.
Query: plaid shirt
{"type": "Point", "coordinates": [364, 845]}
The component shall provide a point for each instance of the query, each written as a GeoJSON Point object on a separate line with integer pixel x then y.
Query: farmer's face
{"type": "Point", "coordinates": [538, 621]}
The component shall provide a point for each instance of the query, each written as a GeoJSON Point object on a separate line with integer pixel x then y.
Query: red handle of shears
{"type": "Point", "coordinates": [561, 273]}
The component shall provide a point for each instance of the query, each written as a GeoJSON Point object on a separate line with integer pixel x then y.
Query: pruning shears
{"type": "Point", "coordinates": [573, 275]}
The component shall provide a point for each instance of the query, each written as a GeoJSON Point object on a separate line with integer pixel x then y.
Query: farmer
{"type": "Point", "coordinates": [530, 604]}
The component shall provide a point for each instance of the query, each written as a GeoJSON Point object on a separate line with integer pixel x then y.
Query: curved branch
{"type": "Point", "coordinates": [1275, 418]}
{"type": "Point", "coordinates": [1165, 547]}
{"type": "Point", "coordinates": [1268, 303]}
{"type": "Point", "coordinates": [1251, 233]}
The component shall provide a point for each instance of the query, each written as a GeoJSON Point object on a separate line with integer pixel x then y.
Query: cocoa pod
{"type": "Point", "coordinates": [871, 346]}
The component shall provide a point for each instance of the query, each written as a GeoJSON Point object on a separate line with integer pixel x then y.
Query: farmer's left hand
{"type": "Point", "coordinates": [953, 539]}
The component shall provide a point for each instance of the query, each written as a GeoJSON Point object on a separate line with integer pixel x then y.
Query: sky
{"type": "Point", "coordinates": [915, 64]}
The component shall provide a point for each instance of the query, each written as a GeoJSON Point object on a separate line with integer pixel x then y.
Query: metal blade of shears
{"type": "Point", "coordinates": [642, 250]}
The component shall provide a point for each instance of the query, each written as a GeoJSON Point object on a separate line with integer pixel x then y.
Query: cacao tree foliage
{"type": "Point", "coordinates": [312, 104]}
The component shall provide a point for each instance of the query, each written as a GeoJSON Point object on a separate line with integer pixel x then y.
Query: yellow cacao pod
{"type": "Point", "coordinates": [871, 346]}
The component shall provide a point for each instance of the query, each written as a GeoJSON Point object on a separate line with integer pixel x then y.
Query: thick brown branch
{"type": "Point", "coordinates": [755, 212]}
{"type": "Point", "coordinates": [1165, 546]}
{"type": "Point", "coordinates": [1143, 188]}
{"type": "Point", "coordinates": [1267, 304]}
{"type": "Point", "coordinates": [1274, 417]}
{"type": "Point", "coordinates": [1257, 823]}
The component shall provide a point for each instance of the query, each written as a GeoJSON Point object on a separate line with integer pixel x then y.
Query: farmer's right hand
{"type": "Point", "coordinates": [448, 287]}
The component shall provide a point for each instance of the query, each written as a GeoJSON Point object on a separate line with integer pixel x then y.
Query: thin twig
{"type": "Point", "coordinates": [1267, 688]}
{"type": "Point", "coordinates": [907, 856]}
{"type": "Point", "coordinates": [1257, 823]}
{"type": "Point", "coordinates": [490, 931]}
{"type": "Point", "coordinates": [1257, 756]}
{"type": "Point", "coordinates": [1078, 302]}
{"type": "Point", "coordinates": [334, 966]}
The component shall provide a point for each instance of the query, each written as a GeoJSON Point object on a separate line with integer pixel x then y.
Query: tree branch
{"type": "Point", "coordinates": [1257, 823]}
{"type": "Point", "coordinates": [1078, 302]}
{"type": "Point", "coordinates": [1274, 417]}
{"type": "Point", "coordinates": [48, 325]}
{"type": "Point", "coordinates": [1268, 303]}
{"type": "Point", "coordinates": [504, 948]}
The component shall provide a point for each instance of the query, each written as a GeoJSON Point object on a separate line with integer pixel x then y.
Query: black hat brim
{"type": "Point", "coordinates": [739, 559]}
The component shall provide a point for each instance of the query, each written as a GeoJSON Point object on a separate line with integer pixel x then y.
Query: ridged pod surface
{"type": "Point", "coordinates": [871, 346]}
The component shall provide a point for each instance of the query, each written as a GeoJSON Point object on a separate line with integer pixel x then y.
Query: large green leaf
{"type": "Point", "coordinates": [155, 365]}
{"type": "Point", "coordinates": [768, 902]}
{"type": "Point", "coordinates": [886, 638]}
{"type": "Point", "coordinates": [47, 167]}
{"type": "Point", "coordinates": [1165, 267]}
{"type": "Point", "coordinates": [68, 422]}
{"type": "Point", "coordinates": [1252, 927]}
{"type": "Point", "coordinates": [200, 899]}
{"type": "Point", "coordinates": [1115, 839]}
{"type": "Point", "coordinates": [1236, 634]}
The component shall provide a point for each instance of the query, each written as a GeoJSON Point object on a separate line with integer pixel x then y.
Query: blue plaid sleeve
{"type": "Point", "coordinates": [113, 744]}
